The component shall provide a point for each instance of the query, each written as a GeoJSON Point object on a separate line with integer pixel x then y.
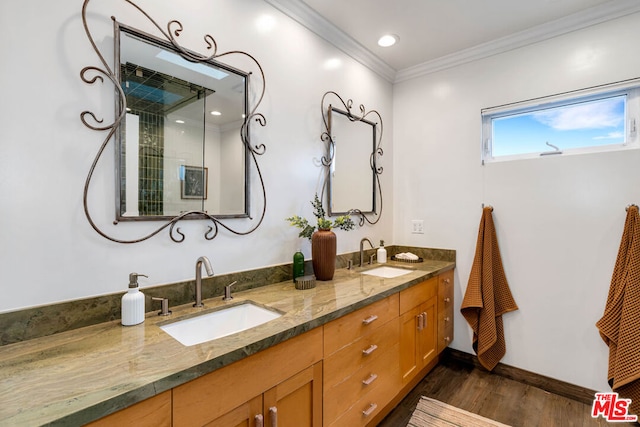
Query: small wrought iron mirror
{"type": "Point", "coordinates": [352, 160]}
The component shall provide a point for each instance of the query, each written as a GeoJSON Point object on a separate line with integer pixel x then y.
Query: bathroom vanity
{"type": "Point", "coordinates": [342, 353]}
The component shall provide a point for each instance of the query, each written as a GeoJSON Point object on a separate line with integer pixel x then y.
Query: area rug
{"type": "Point", "coordinates": [430, 412]}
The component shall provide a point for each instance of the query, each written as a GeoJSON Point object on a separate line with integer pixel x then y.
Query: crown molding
{"type": "Point", "coordinates": [309, 18]}
{"type": "Point", "coordinates": [577, 21]}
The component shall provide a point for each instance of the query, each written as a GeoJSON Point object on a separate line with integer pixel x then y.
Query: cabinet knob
{"type": "Point", "coordinates": [370, 350]}
{"type": "Point", "coordinates": [446, 319]}
{"type": "Point", "coordinates": [447, 299]}
{"type": "Point", "coordinates": [369, 320]}
{"type": "Point", "coordinates": [369, 380]}
{"type": "Point", "coordinates": [447, 339]}
{"type": "Point", "coordinates": [370, 410]}
{"type": "Point", "coordinates": [447, 281]}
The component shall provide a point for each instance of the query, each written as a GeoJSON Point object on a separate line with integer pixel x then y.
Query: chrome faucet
{"type": "Point", "coordinates": [207, 266]}
{"type": "Point", "coordinates": [362, 248]}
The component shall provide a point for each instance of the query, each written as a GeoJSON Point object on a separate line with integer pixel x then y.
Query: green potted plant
{"type": "Point", "coordinates": [323, 240]}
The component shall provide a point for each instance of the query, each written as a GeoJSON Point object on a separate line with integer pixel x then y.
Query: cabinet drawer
{"type": "Point", "coordinates": [155, 411]}
{"type": "Point", "coordinates": [340, 397]}
{"type": "Point", "coordinates": [364, 351]}
{"type": "Point", "coordinates": [417, 294]}
{"type": "Point", "coordinates": [445, 291]}
{"type": "Point", "coordinates": [367, 407]}
{"type": "Point", "coordinates": [343, 331]}
{"type": "Point", "coordinates": [445, 328]}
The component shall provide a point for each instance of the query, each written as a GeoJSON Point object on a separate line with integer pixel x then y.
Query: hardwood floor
{"type": "Point", "coordinates": [496, 397]}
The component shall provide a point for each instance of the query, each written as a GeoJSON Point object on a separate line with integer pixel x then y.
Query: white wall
{"type": "Point", "coordinates": [48, 250]}
{"type": "Point", "coordinates": [559, 219]}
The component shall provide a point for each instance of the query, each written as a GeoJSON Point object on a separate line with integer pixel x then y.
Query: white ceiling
{"type": "Point", "coordinates": [439, 33]}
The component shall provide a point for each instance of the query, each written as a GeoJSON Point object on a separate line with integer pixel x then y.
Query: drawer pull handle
{"type": "Point", "coordinates": [369, 320]}
{"type": "Point", "coordinates": [371, 379]}
{"type": "Point", "coordinates": [422, 320]}
{"type": "Point", "coordinates": [370, 410]}
{"type": "Point", "coordinates": [273, 412]}
{"type": "Point", "coordinates": [370, 350]}
{"type": "Point", "coordinates": [259, 420]}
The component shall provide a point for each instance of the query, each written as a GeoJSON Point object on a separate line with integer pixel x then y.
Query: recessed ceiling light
{"type": "Point", "coordinates": [388, 40]}
{"type": "Point", "coordinates": [179, 121]}
{"type": "Point", "coordinates": [216, 113]}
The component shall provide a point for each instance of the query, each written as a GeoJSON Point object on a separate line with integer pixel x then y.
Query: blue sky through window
{"type": "Point", "coordinates": [586, 124]}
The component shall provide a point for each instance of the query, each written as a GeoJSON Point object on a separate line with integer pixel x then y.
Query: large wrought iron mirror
{"type": "Point", "coordinates": [353, 159]}
{"type": "Point", "coordinates": [181, 131]}
{"type": "Point", "coordinates": [179, 146]}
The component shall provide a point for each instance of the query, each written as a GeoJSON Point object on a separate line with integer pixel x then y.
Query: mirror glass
{"type": "Point", "coordinates": [351, 175]}
{"type": "Point", "coordinates": [179, 146]}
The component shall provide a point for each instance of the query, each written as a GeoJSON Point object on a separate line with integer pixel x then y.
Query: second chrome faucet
{"type": "Point", "coordinates": [362, 249]}
{"type": "Point", "coordinates": [203, 260]}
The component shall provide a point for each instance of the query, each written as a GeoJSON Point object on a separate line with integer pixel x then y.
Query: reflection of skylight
{"type": "Point", "coordinates": [152, 94]}
{"type": "Point", "coordinates": [193, 66]}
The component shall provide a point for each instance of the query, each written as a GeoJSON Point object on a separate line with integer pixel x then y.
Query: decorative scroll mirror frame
{"type": "Point", "coordinates": [94, 74]}
{"type": "Point", "coordinates": [372, 118]}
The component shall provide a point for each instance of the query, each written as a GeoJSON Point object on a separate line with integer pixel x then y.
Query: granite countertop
{"type": "Point", "coordinates": [77, 376]}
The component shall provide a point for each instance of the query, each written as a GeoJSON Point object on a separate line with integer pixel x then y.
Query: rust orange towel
{"type": "Point", "coordinates": [620, 324]}
{"type": "Point", "coordinates": [487, 296]}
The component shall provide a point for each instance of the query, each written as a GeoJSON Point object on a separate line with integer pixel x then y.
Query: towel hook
{"type": "Point", "coordinates": [628, 206]}
{"type": "Point", "coordinates": [487, 206]}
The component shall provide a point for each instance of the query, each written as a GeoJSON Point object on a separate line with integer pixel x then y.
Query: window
{"type": "Point", "coordinates": [578, 122]}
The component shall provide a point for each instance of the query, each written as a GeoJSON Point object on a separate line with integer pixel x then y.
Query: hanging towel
{"type": "Point", "coordinates": [620, 324]}
{"type": "Point", "coordinates": [487, 296]}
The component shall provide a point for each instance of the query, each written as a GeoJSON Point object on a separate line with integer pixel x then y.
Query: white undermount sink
{"type": "Point", "coordinates": [387, 272]}
{"type": "Point", "coordinates": [219, 323]}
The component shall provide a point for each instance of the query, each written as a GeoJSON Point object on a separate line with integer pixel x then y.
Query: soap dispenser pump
{"type": "Point", "coordinates": [133, 303]}
{"type": "Point", "coordinates": [381, 254]}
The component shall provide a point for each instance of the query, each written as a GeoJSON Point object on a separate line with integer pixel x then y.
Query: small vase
{"type": "Point", "coordinates": [323, 254]}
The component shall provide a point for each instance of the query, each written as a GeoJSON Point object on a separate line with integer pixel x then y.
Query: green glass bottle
{"type": "Point", "coordinates": [298, 265]}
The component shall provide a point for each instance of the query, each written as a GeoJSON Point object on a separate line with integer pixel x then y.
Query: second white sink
{"type": "Point", "coordinates": [387, 272]}
{"type": "Point", "coordinates": [219, 323]}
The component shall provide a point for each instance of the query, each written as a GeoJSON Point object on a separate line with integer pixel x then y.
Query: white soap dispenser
{"type": "Point", "coordinates": [381, 254]}
{"type": "Point", "coordinates": [133, 302]}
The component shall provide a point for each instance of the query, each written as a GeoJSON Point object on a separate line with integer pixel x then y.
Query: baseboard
{"type": "Point", "coordinates": [552, 385]}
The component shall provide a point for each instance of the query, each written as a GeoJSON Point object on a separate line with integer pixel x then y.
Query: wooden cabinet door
{"type": "Point", "coordinates": [296, 402]}
{"type": "Point", "coordinates": [409, 360]}
{"type": "Point", "coordinates": [428, 332]}
{"type": "Point", "coordinates": [248, 414]}
{"type": "Point", "coordinates": [418, 332]}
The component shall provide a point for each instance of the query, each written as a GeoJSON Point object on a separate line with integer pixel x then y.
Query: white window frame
{"type": "Point", "coordinates": [630, 88]}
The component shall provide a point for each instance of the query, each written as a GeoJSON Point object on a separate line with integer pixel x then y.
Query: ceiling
{"type": "Point", "coordinates": [438, 33]}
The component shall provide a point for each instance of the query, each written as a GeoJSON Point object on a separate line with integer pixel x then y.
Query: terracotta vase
{"type": "Point", "coordinates": [323, 254]}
